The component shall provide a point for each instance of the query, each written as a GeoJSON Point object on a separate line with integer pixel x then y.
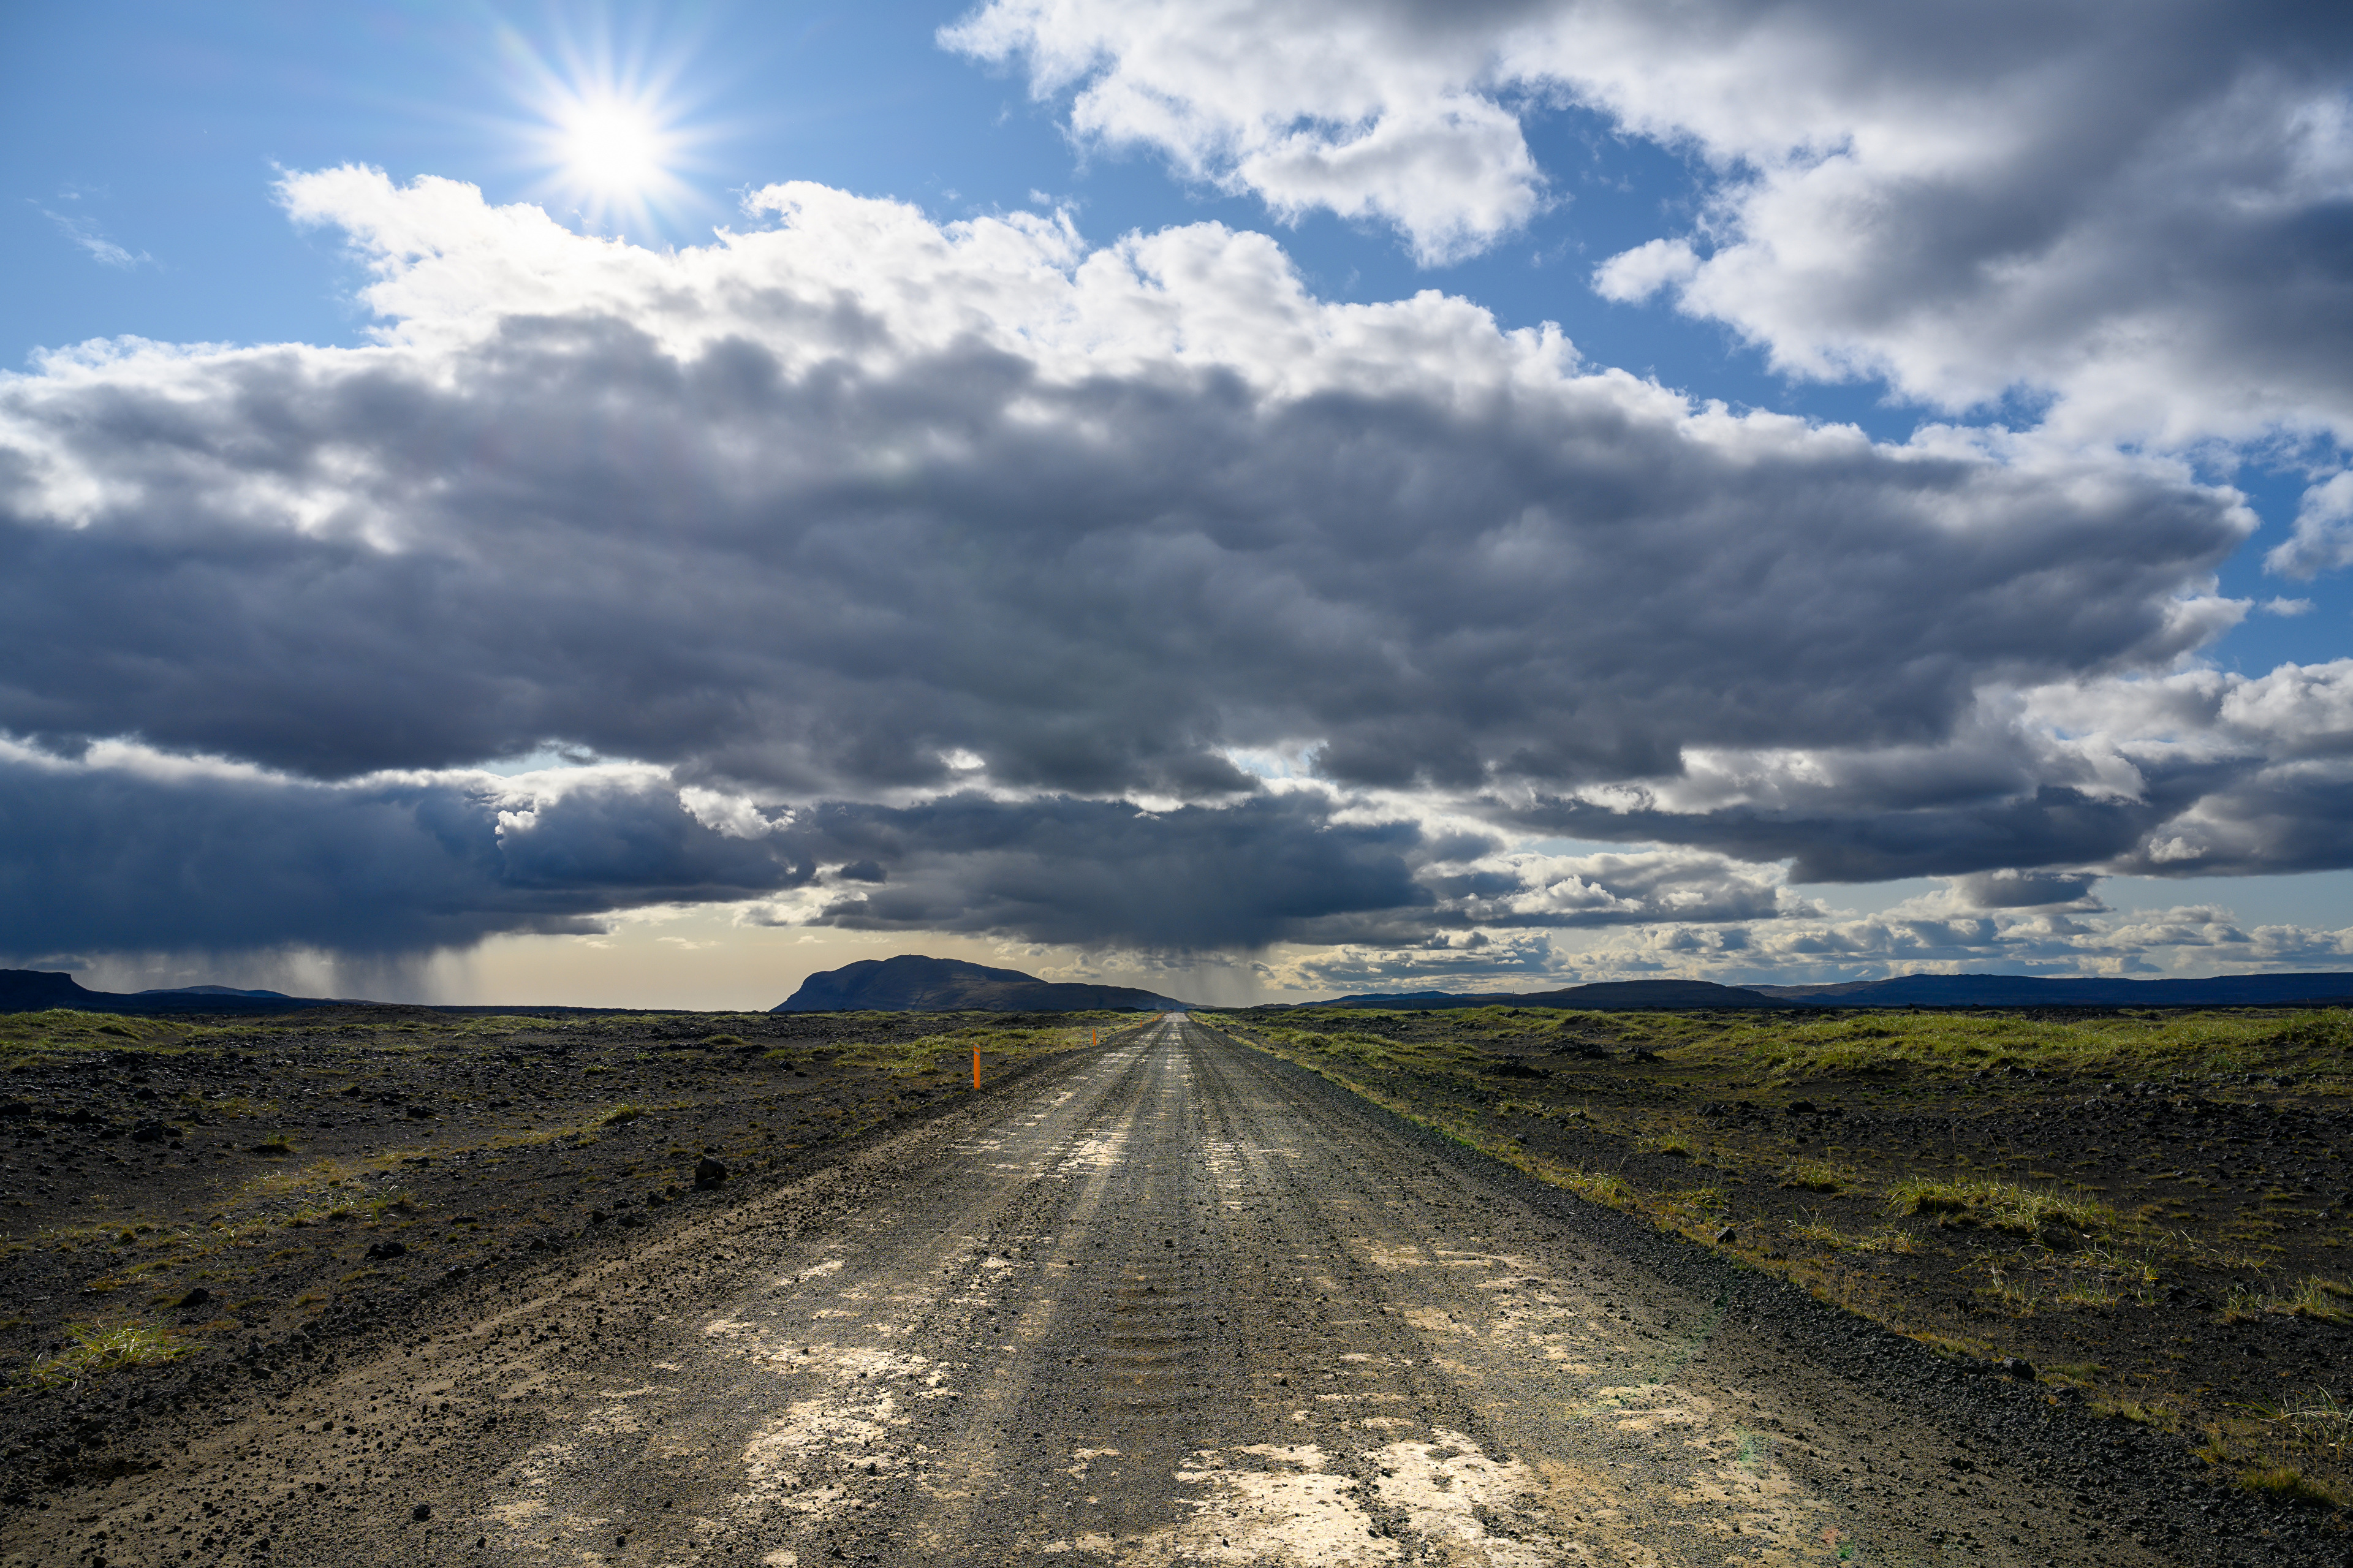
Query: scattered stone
{"type": "Point", "coordinates": [709, 1173]}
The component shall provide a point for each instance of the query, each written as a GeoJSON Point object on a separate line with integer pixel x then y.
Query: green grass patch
{"type": "Point", "coordinates": [95, 1351]}
{"type": "Point", "coordinates": [1814, 1176]}
{"type": "Point", "coordinates": [2289, 1484]}
{"type": "Point", "coordinates": [2006, 1207]}
{"type": "Point", "coordinates": [1887, 1238]}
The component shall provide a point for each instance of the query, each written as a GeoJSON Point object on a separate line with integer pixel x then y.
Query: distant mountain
{"type": "Point", "coordinates": [2031, 991]}
{"type": "Point", "coordinates": [1605, 996]}
{"type": "Point", "coordinates": [914, 984]}
{"type": "Point", "coordinates": [1643, 995]}
{"type": "Point", "coordinates": [37, 990]}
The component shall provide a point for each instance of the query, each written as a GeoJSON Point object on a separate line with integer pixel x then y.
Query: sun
{"type": "Point", "coordinates": [611, 156]}
{"type": "Point", "coordinates": [611, 131]}
{"type": "Point", "coordinates": [611, 149]}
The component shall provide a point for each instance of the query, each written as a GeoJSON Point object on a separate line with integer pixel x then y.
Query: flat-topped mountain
{"type": "Point", "coordinates": [914, 984]}
{"type": "Point", "coordinates": [37, 990]}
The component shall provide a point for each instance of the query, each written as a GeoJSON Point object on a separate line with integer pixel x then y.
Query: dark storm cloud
{"type": "Point", "coordinates": [936, 556]}
{"type": "Point", "coordinates": [1100, 873]}
{"type": "Point", "coordinates": [2053, 823]}
{"type": "Point", "coordinates": [829, 576]}
{"type": "Point", "coordinates": [155, 857]}
{"type": "Point", "coordinates": [127, 853]}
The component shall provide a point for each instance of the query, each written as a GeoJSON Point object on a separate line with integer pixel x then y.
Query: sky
{"type": "Point", "coordinates": [634, 505]}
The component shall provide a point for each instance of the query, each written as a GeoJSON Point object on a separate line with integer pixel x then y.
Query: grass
{"type": "Point", "coordinates": [2006, 1207]}
{"type": "Point", "coordinates": [2325, 1300]}
{"type": "Point", "coordinates": [2289, 1484]}
{"type": "Point", "coordinates": [951, 1053]}
{"type": "Point", "coordinates": [620, 1115]}
{"type": "Point", "coordinates": [1821, 1233]}
{"type": "Point", "coordinates": [1813, 1176]}
{"type": "Point", "coordinates": [96, 1352]}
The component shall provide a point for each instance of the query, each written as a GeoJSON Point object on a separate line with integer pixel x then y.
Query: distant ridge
{"type": "Point", "coordinates": [1905, 991]}
{"type": "Point", "coordinates": [37, 990]}
{"type": "Point", "coordinates": [914, 984]}
{"type": "Point", "coordinates": [1605, 996]}
{"type": "Point", "coordinates": [2033, 991]}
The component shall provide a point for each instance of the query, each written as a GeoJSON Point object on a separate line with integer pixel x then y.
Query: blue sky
{"type": "Point", "coordinates": [157, 154]}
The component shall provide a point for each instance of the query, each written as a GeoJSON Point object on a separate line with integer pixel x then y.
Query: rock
{"type": "Point", "coordinates": [1725, 1236]}
{"type": "Point", "coordinates": [2012, 1366]}
{"type": "Point", "coordinates": [150, 1132]}
{"type": "Point", "coordinates": [420, 1112]}
{"type": "Point", "coordinates": [1800, 1108]}
{"type": "Point", "coordinates": [193, 1300]}
{"type": "Point", "coordinates": [421, 1513]}
{"type": "Point", "coordinates": [386, 1250]}
{"type": "Point", "coordinates": [709, 1173]}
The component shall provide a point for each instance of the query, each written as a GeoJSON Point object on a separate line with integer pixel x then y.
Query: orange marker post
{"type": "Point", "coordinates": [976, 1067]}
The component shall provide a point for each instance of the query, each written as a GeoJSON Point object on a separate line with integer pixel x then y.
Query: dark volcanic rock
{"type": "Point", "coordinates": [709, 1173]}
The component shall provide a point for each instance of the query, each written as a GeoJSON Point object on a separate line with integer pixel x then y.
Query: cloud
{"type": "Point", "coordinates": [827, 504]}
{"type": "Point", "coordinates": [1097, 873]}
{"type": "Point", "coordinates": [1370, 113]}
{"type": "Point", "coordinates": [943, 576]}
{"type": "Point", "coordinates": [2323, 540]}
{"type": "Point", "coordinates": [2137, 214]}
{"type": "Point", "coordinates": [102, 251]}
{"type": "Point", "coordinates": [126, 850]}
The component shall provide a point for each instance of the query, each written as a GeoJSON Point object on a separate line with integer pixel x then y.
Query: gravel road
{"type": "Point", "coordinates": [1167, 1302]}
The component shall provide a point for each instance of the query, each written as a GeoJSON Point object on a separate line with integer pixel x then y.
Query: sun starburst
{"type": "Point", "coordinates": [609, 134]}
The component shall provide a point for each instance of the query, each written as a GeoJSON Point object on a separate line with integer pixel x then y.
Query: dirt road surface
{"type": "Point", "coordinates": [1168, 1302]}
